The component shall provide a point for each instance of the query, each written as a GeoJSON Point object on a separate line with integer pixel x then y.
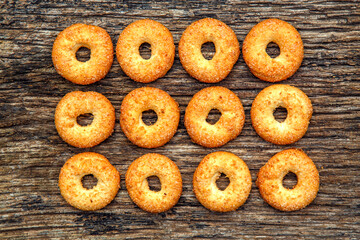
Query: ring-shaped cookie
{"type": "Point", "coordinates": [166, 109]}
{"type": "Point", "coordinates": [77, 103]}
{"type": "Point", "coordinates": [227, 50]}
{"type": "Point", "coordinates": [291, 50]}
{"type": "Point", "coordinates": [226, 128]}
{"type": "Point", "coordinates": [209, 170]}
{"type": "Point", "coordinates": [89, 163]}
{"type": "Point", "coordinates": [153, 164]}
{"type": "Point", "coordinates": [271, 175]}
{"type": "Point", "coordinates": [299, 112]}
{"type": "Point", "coordinates": [162, 50]}
{"type": "Point", "coordinates": [68, 43]}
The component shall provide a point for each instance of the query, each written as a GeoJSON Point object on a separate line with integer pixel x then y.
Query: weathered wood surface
{"type": "Point", "coordinates": [32, 153]}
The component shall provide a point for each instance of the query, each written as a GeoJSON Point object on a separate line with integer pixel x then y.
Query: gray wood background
{"type": "Point", "coordinates": [32, 153]}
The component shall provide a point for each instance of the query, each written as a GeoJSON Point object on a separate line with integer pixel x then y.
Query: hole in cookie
{"type": "Point", "coordinates": [222, 182]}
{"type": "Point", "coordinates": [290, 180]}
{"type": "Point", "coordinates": [273, 50]}
{"type": "Point", "coordinates": [85, 119]}
{"type": "Point", "coordinates": [208, 50]}
{"type": "Point", "coordinates": [149, 117]}
{"type": "Point", "coordinates": [280, 114]}
{"type": "Point", "coordinates": [89, 181]}
{"type": "Point", "coordinates": [154, 183]}
{"type": "Point", "coordinates": [83, 54]}
{"type": "Point", "coordinates": [145, 51]}
{"type": "Point", "coordinates": [213, 116]}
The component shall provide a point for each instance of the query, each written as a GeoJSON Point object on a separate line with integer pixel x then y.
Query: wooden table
{"type": "Point", "coordinates": [32, 153]}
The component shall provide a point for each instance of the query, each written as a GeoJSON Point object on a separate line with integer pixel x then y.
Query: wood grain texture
{"type": "Point", "coordinates": [32, 153]}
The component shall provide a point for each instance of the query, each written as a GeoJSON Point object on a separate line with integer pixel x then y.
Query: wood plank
{"type": "Point", "coordinates": [32, 153]}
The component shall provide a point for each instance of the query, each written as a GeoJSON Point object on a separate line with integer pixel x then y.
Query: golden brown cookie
{"type": "Point", "coordinates": [229, 125]}
{"type": "Point", "coordinates": [227, 50]}
{"type": "Point", "coordinates": [209, 170]}
{"type": "Point", "coordinates": [153, 164]}
{"type": "Point", "coordinates": [162, 50]}
{"type": "Point", "coordinates": [83, 164]}
{"type": "Point", "coordinates": [271, 175]}
{"type": "Point", "coordinates": [68, 43]}
{"type": "Point", "coordinates": [166, 109]}
{"type": "Point", "coordinates": [291, 50]}
{"type": "Point", "coordinates": [299, 112]}
{"type": "Point", "coordinates": [76, 103]}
